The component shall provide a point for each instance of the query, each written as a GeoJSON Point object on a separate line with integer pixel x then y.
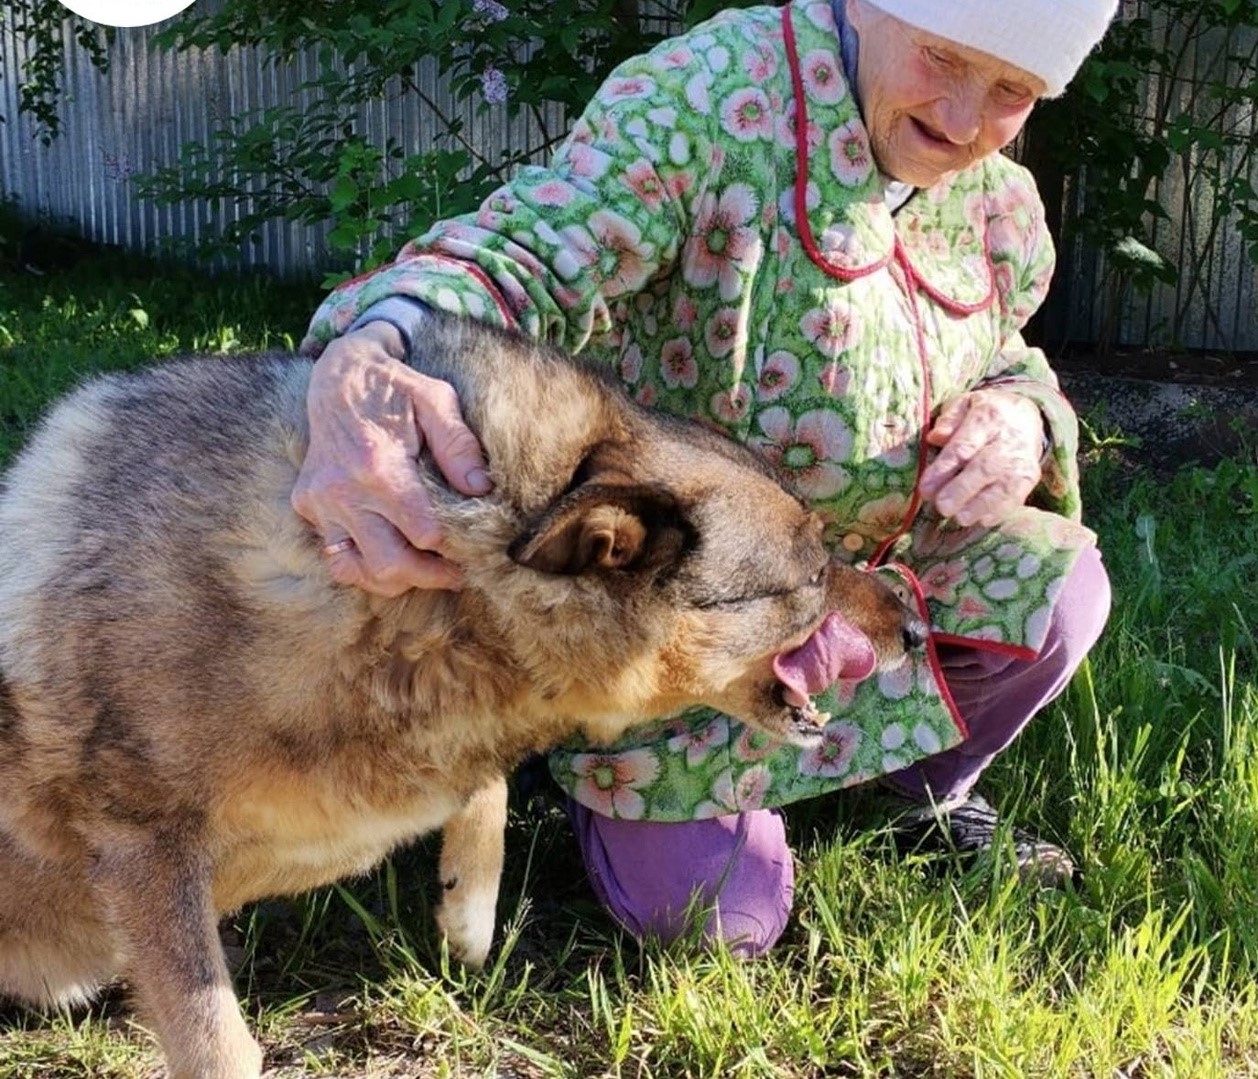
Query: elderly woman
{"type": "Point", "coordinates": [795, 224]}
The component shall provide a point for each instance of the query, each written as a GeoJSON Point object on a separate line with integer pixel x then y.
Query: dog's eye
{"type": "Point", "coordinates": [818, 577]}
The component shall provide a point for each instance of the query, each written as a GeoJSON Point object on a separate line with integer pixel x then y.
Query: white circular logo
{"type": "Point", "coordinates": [127, 12]}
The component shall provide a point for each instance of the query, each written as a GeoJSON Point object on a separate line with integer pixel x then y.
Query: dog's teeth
{"type": "Point", "coordinates": [803, 710]}
{"type": "Point", "coordinates": [808, 713]}
{"type": "Point", "coordinates": [808, 721]}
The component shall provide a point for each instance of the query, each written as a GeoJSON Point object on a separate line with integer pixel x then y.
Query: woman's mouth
{"type": "Point", "coordinates": [929, 135]}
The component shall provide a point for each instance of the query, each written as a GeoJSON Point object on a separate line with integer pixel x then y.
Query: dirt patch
{"type": "Point", "coordinates": [1219, 370]}
{"type": "Point", "coordinates": [1166, 424]}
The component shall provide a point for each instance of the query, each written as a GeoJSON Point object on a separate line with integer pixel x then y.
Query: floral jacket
{"type": "Point", "coordinates": [715, 228]}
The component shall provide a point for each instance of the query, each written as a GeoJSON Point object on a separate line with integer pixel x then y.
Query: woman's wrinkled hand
{"type": "Point", "coordinates": [359, 486]}
{"type": "Point", "coordinates": [989, 462]}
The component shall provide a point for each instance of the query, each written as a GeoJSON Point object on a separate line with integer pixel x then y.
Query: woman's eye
{"type": "Point", "coordinates": [1011, 94]}
{"type": "Point", "coordinates": [937, 58]}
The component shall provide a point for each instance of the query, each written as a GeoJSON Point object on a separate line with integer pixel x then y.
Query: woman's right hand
{"type": "Point", "coordinates": [370, 415]}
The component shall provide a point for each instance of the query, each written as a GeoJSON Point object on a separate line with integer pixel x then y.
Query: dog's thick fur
{"type": "Point", "coordinates": [193, 715]}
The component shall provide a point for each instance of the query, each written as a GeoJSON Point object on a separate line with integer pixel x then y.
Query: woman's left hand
{"type": "Point", "coordinates": [992, 441]}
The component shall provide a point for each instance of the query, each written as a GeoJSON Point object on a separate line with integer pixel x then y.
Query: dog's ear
{"type": "Point", "coordinates": [605, 527]}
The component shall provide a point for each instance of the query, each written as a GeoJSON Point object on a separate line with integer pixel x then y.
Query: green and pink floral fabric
{"type": "Point", "coordinates": [714, 228]}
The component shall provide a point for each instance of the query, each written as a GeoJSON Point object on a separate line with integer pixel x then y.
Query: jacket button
{"type": "Point", "coordinates": [853, 542]}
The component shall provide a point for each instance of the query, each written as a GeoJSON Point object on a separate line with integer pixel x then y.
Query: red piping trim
{"type": "Point", "coordinates": [915, 503]}
{"type": "Point", "coordinates": [913, 280]}
{"type": "Point", "coordinates": [932, 656]}
{"type": "Point", "coordinates": [979, 644]}
{"type": "Point", "coordinates": [802, 224]}
{"type": "Point", "coordinates": [508, 316]}
{"type": "Point", "coordinates": [357, 279]}
{"type": "Point", "coordinates": [478, 272]}
{"type": "Point", "coordinates": [956, 306]}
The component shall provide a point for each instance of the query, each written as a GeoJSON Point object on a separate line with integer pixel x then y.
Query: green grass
{"type": "Point", "coordinates": [896, 967]}
{"type": "Point", "coordinates": [114, 311]}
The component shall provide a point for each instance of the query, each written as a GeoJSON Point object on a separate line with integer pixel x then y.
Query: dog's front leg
{"type": "Point", "coordinates": [158, 896]}
{"type": "Point", "coordinates": [471, 867]}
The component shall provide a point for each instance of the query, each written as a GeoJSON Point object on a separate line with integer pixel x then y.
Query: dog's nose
{"type": "Point", "coordinates": [914, 633]}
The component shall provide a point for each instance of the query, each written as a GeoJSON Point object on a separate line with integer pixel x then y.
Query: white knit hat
{"type": "Point", "coordinates": [1048, 38]}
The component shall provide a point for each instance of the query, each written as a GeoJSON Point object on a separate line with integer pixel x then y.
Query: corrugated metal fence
{"type": "Point", "coordinates": [135, 119]}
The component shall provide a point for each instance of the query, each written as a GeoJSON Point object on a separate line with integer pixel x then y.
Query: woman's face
{"type": "Point", "coordinates": [931, 106]}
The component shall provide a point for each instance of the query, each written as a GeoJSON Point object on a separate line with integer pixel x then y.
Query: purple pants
{"type": "Point", "coordinates": [738, 868]}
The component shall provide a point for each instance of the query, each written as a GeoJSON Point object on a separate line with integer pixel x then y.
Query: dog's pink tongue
{"type": "Point", "coordinates": [837, 649]}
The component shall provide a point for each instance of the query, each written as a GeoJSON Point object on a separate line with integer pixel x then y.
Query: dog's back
{"type": "Point", "coordinates": [122, 532]}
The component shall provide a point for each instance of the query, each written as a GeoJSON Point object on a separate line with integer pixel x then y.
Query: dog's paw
{"type": "Point", "coordinates": [230, 1054]}
{"type": "Point", "coordinates": [467, 923]}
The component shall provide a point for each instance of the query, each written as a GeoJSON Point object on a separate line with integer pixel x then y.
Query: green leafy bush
{"type": "Point", "coordinates": [312, 163]}
{"type": "Point", "coordinates": [1167, 102]}
{"type": "Point", "coordinates": [39, 23]}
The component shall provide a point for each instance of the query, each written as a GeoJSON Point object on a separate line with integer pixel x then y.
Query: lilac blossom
{"type": "Point", "coordinates": [490, 10]}
{"type": "Point", "coordinates": [493, 84]}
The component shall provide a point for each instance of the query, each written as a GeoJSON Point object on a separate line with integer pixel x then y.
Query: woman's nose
{"type": "Point", "coordinates": [960, 116]}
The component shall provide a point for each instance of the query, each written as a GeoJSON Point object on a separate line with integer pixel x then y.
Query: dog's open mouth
{"type": "Point", "coordinates": [836, 649]}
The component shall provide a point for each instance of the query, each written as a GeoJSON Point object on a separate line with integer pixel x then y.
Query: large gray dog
{"type": "Point", "coordinates": [193, 715]}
